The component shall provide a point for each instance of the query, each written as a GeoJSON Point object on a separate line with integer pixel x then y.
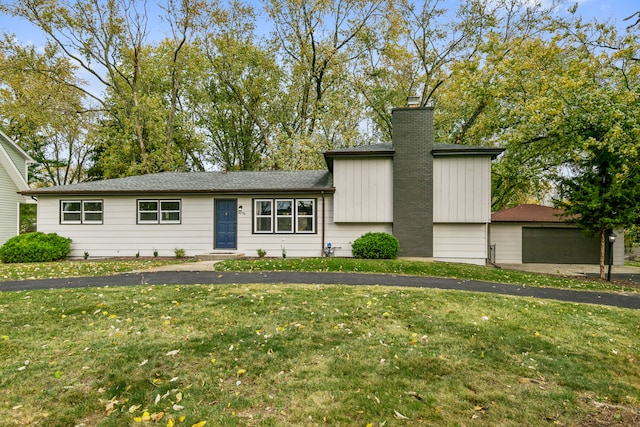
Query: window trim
{"type": "Point", "coordinates": [294, 215]}
{"type": "Point", "coordinates": [291, 215]}
{"type": "Point", "coordinates": [82, 212]}
{"type": "Point", "coordinates": [312, 216]}
{"type": "Point", "coordinates": [158, 211]}
{"type": "Point", "coordinates": [256, 217]}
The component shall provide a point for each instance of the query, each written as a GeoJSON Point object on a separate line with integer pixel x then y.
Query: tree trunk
{"type": "Point", "coordinates": [602, 252]}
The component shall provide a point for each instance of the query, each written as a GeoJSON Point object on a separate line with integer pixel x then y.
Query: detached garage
{"type": "Point", "coordinates": [538, 234]}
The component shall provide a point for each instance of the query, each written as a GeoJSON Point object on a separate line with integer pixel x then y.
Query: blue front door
{"type": "Point", "coordinates": [226, 216]}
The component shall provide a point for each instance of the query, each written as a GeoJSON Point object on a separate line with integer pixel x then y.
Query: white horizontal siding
{"type": "Point", "coordinates": [462, 189]}
{"type": "Point", "coordinates": [466, 243]}
{"type": "Point", "coordinates": [364, 190]}
{"type": "Point", "coordinates": [341, 235]}
{"type": "Point", "coordinates": [119, 235]}
{"type": "Point", "coordinates": [507, 241]}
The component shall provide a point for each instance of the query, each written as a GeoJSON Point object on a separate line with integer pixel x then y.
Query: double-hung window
{"type": "Point", "coordinates": [81, 212]}
{"type": "Point", "coordinates": [159, 211]}
{"type": "Point", "coordinates": [305, 216]}
{"type": "Point", "coordinates": [284, 216]}
{"type": "Point", "coordinates": [263, 211]}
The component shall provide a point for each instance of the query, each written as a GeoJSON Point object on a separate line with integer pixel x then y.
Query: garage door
{"type": "Point", "coordinates": [559, 246]}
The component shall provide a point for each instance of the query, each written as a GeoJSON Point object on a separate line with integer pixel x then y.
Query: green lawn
{"type": "Point", "coordinates": [272, 355]}
{"type": "Point", "coordinates": [49, 270]}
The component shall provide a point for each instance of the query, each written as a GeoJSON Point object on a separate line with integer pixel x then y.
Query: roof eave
{"type": "Point", "coordinates": [35, 192]}
{"type": "Point", "coordinates": [476, 151]}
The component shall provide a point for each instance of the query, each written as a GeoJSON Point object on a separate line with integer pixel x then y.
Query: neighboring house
{"type": "Point", "coordinates": [13, 179]}
{"type": "Point", "coordinates": [538, 234]}
{"type": "Point", "coordinates": [434, 198]}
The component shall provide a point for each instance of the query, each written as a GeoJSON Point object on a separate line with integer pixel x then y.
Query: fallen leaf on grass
{"type": "Point", "coordinates": [200, 424]}
{"type": "Point", "coordinates": [173, 353]}
{"type": "Point", "coordinates": [399, 416]}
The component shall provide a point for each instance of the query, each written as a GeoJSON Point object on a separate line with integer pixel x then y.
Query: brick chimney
{"type": "Point", "coordinates": [413, 180]}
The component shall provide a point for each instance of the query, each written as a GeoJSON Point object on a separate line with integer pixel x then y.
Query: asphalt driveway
{"type": "Point", "coordinates": [215, 278]}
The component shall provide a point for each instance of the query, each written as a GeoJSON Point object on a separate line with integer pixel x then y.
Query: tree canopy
{"type": "Point", "coordinates": [126, 87]}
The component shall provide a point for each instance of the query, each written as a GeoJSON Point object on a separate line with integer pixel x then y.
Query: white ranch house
{"type": "Point", "coordinates": [435, 198]}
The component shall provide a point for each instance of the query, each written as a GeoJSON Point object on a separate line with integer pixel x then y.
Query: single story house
{"type": "Point", "coordinates": [434, 198]}
{"type": "Point", "coordinates": [14, 175]}
{"type": "Point", "coordinates": [539, 234]}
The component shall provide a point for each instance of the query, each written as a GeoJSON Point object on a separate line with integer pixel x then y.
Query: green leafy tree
{"type": "Point", "coordinates": [42, 110]}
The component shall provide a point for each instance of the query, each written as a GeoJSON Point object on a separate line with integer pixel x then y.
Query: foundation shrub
{"type": "Point", "coordinates": [375, 246]}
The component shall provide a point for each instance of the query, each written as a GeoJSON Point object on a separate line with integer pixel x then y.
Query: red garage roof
{"type": "Point", "coordinates": [529, 213]}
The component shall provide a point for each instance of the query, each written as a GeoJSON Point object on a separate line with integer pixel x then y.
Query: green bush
{"type": "Point", "coordinates": [375, 246]}
{"type": "Point", "coordinates": [35, 247]}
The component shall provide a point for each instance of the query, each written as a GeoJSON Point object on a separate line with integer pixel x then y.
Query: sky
{"type": "Point", "coordinates": [614, 10]}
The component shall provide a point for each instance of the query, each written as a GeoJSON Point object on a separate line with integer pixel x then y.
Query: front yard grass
{"type": "Point", "coordinates": [278, 355]}
{"type": "Point", "coordinates": [59, 269]}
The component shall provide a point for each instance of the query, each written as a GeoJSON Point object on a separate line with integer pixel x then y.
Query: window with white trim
{"type": "Point", "coordinates": [81, 211]}
{"type": "Point", "coordinates": [263, 219]}
{"type": "Point", "coordinates": [284, 216]}
{"type": "Point", "coordinates": [305, 216]}
{"type": "Point", "coordinates": [159, 211]}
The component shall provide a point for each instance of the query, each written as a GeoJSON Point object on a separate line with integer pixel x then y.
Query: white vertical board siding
{"type": "Point", "coordinates": [364, 190]}
{"type": "Point", "coordinates": [120, 235]}
{"type": "Point", "coordinates": [464, 243]}
{"type": "Point", "coordinates": [341, 235]}
{"type": "Point", "coordinates": [462, 189]}
{"type": "Point", "coordinates": [507, 239]}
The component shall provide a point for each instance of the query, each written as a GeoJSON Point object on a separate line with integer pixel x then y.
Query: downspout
{"type": "Point", "coordinates": [323, 222]}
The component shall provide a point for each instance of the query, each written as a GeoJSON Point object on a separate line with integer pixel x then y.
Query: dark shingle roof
{"type": "Point", "coordinates": [240, 182]}
{"type": "Point", "coordinates": [465, 150]}
{"type": "Point", "coordinates": [374, 150]}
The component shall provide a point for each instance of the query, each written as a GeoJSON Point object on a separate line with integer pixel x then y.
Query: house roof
{"type": "Point", "coordinates": [529, 213]}
{"type": "Point", "coordinates": [440, 150]}
{"type": "Point", "coordinates": [387, 150]}
{"type": "Point", "coordinates": [373, 150]}
{"type": "Point", "coordinates": [238, 182]}
{"type": "Point", "coordinates": [8, 164]}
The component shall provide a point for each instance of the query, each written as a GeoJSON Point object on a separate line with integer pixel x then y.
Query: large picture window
{"type": "Point", "coordinates": [284, 216]}
{"type": "Point", "coordinates": [159, 211]}
{"type": "Point", "coordinates": [81, 212]}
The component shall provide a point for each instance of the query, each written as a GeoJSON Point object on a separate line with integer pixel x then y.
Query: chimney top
{"type": "Point", "coordinates": [413, 101]}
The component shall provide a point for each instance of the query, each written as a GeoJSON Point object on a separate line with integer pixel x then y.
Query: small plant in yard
{"type": "Point", "coordinates": [35, 247]}
{"type": "Point", "coordinates": [179, 252]}
{"type": "Point", "coordinates": [284, 252]}
{"type": "Point", "coordinates": [86, 255]}
{"type": "Point", "coordinates": [375, 246]}
{"type": "Point", "coordinates": [155, 253]}
{"type": "Point", "coordinates": [138, 254]}
{"type": "Point", "coordinates": [261, 253]}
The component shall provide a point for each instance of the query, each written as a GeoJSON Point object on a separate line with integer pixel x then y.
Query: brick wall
{"type": "Point", "coordinates": [413, 181]}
